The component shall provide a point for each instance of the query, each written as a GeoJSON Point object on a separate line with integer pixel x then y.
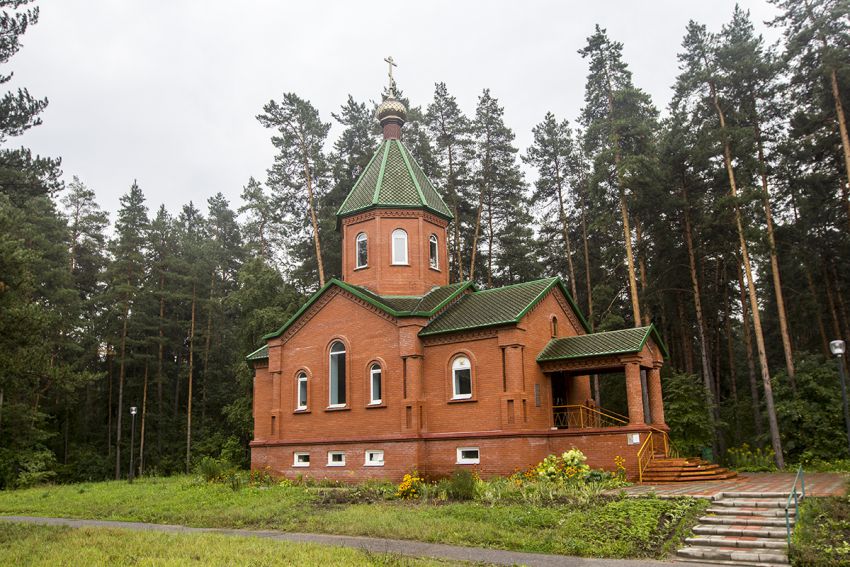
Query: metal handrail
{"type": "Point", "coordinates": [797, 497]}
{"type": "Point", "coordinates": [581, 416]}
{"type": "Point", "coordinates": [648, 442]}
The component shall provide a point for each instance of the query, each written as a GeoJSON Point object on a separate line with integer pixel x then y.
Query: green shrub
{"type": "Point", "coordinates": [211, 470]}
{"type": "Point", "coordinates": [461, 485]}
{"type": "Point", "coordinates": [744, 458]}
{"type": "Point", "coordinates": [822, 533]}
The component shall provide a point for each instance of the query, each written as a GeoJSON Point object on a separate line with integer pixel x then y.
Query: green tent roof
{"type": "Point", "coordinates": [624, 341]}
{"type": "Point", "coordinates": [491, 307]}
{"type": "Point", "coordinates": [261, 353]}
{"type": "Point", "coordinates": [393, 179]}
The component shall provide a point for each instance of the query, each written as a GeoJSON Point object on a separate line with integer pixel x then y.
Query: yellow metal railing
{"type": "Point", "coordinates": [647, 452]}
{"type": "Point", "coordinates": [581, 417]}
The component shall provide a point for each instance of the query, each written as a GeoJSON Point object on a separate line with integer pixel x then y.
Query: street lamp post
{"type": "Point", "coordinates": [132, 442]}
{"type": "Point", "coordinates": [837, 348]}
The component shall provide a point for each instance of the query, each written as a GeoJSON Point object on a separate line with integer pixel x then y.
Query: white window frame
{"type": "Point", "coordinates": [331, 355]}
{"type": "Point", "coordinates": [297, 463]}
{"type": "Point", "coordinates": [357, 241]}
{"type": "Point", "coordinates": [400, 234]}
{"type": "Point", "coordinates": [457, 365]}
{"type": "Point", "coordinates": [461, 460]}
{"type": "Point", "coordinates": [299, 403]}
{"type": "Point", "coordinates": [332, 463]}
{"type": "Point", "coordinates": [434, 261]}
{"type": "Point", "coordinates": [373, 463]}
{"type": "Point", "coordinates": [375, 369]}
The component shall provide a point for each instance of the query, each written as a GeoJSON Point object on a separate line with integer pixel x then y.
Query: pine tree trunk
{"type": "Point", "coordinates": [565, 229]}
{"type": "Point", "coordinates": [207, 341]}
{"type": "Point", "coordinates": [308, 176]}
{"type": "Point", "coordinates": [489, 239]}
{"type": "Point", "coordinates": [160, 411]}
{"type": "Point", "coordinates": [1, 412]}
{"type": "Point", "coordinates": [730, 356]}
{"type": "Point", "coordinates": [121, 369]}
{"type": "Point", "coordinates": [701, 329]}
{"type": "Point", "coordinates": [109, 374]}
{"type": "Point", "coordinates": [751, 288]}
{"type": "Point", "coordinates": [774, 266]}
{"type": "Point", "coordinates": [142, 425]}
{"type": "Point", "coordinates": [748, 345]}
{"type": "Point", "coordinates": [641, 257]}
{"type": "Point", "coordinates": [189, 391]}
{"type": "Point", "coordinates": [456, 209]}
{"type": "Point", "coordinates": [821, 328]}
{"type": "Point", "coordinates": [842, 123]}
{"type": "Point", "coordinates": [687, 350]}
{"type": "Point", "coordinates": [587, 269]}
{"type": "Point", "coordinates": [475, 235]}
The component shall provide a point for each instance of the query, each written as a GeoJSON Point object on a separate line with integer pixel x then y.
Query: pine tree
{"type": "Point", "coordinates": [452, 130]}
{"type": "Point", "coordinates": [299, 174]}
{"type": "Point", "coordinates": [262, 228]}
{"type": "Point", "coordinates": [553, 154]}
{"type": "Point", "coordinates": [501, 199]}
{"type": "Point", "coordinates": [619, 121]}
{"type": "Point", "coordinates": [124, 277]}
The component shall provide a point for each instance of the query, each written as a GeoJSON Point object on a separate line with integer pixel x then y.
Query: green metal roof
{"type": "Point", "coordinates": [624, 341]}
{"type": "Point", "coordinates": [499, 306]}
{"type": "Point", "coordinates": [395, 305]}
{"type": "Point", "coordinates": [261, 353]}
{"type": "Point", "coordinates": [393, 179]}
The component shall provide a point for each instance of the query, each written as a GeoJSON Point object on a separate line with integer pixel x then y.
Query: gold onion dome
{"type": "Point", "coordinates": [391, 108]}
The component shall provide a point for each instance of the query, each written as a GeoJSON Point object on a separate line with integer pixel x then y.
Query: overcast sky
{"type": "Point", "coordinates": [167, 92]}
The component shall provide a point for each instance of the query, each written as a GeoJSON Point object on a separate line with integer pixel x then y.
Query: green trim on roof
{"type": "Point", "coordinates": [412, 175]}
{"type": "Point", "coordinates": [377, 192]}
{"type": "Point", "coordinates": [605, 343]}
{"type": "Point", "coordinates": [381, 302]}
{"type": "Point", "coordinates": [261, 353]}
{"type": "Point", "coordinates": [498, 306]}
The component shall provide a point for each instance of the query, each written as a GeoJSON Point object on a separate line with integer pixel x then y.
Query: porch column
{"type": "Point", "coordinates": [579, 389]}
{"type": "Point", "coordinates": [656, 400]}
{"type": "Point", "coordinates": [634, 393]}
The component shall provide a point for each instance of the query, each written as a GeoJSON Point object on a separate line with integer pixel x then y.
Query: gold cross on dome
{"type": "Point", "coordinates": [391, 64]}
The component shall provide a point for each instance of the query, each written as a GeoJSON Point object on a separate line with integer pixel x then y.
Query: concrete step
{"type": "Point", "coordinates": [711, 554]}
{"type": "Point", "coordinates": [649, 478]}
{"type": "Point", "coordinates": [745, 531]}
{"type": "Point", "coordinates": [751, 503]}
{"type": "Point", "coordinates": [724, 541]}
{"type": "Point", "coordinates": [760, 512]}
{"type": "Point", "coordinates": [746, 495]}
{"type": "Point", "coordinates": [744, 521]}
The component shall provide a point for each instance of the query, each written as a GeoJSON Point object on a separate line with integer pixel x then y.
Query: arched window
{"type": "Point", "coordinates": [337, 375]}
{"type": "Point", "coordinates": [433, 260]}
{"type": "Point", "coordinates": [375, 385]}
{"type": "Point", "coordinates": [399, 246]}
{"type": "Point", "coordinates": [362, 251]}
{"type": "Point", "coordinates": [554, 327]}
{"type": "Point", "coordinates": [301, 391]}
{"type": "Point", "coordinates": [461, 378]}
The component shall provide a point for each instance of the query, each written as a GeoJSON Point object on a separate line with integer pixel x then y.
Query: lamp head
{"type": "Point", "coordinates": [837, 347]}
{"type": "Point", "coordinates": [133, 410]}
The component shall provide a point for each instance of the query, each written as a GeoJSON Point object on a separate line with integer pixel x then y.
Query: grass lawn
{"type": "Point", "coordinates": [32, 545]}
{"type": "Point", "coordinates": [822, 534]}
{"type": "Point", "coordinates": [618, 527]}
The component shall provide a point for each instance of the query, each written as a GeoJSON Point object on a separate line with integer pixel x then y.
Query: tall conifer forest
{"type": "Point", "coordinates": [722, 219]}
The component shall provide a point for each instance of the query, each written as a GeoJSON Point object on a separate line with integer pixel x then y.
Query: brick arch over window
{"type": "Point", "coordinates": [455, 363]}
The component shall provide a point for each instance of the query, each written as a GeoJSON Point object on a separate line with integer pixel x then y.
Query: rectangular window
{"type": "Point", "coordinates": [463, 383]}
{"type": "Point", "coordinates": [376, 384]}
{"type": "Point", "coordinates": [301, 460]}
{"type": "Point", "coordinates": [432, 252]}
{"type": "Point", "coordinates": [336, 459]}
{"type": "Point", "coordinates": [302, 392]}
{"type": "Point", "coordinates": [374, 459]}
{"type": "Point", "coordinates": [468, 456]}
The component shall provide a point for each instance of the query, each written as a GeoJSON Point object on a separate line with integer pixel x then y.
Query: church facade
{"type": "Point", "coordinates": [392, 368]}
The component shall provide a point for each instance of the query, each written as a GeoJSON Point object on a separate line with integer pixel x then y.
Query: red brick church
{"type": "Point", "coordinates": [393, 369]}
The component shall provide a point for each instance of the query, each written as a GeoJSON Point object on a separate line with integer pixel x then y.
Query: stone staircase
{"type": "Point", "coordinates": [741, 528]}
{"type": "Point", "coordinates": [668, 469]}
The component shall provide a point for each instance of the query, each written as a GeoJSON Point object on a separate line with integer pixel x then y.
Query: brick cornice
{"type": "Point", "coordinates": [394, 213]}
{"type": "Point", "coordinates": [460, 337]}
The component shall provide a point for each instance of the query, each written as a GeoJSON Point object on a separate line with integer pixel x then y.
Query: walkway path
{"type": "Point", "coordinates": [374, 545]}
{"type": "Point", "coordinates": [817, 484]}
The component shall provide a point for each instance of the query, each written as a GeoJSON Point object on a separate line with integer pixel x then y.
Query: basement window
{"type": "Point", "coordinates": [374, 459]}
{"type": "Point", "coordinates": [468, 456]}
{"type": "Point", "coordinates": [301, 460]}
{"type": "Point", "coordinates": [336, 459]}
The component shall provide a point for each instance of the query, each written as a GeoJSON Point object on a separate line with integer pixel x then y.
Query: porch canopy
{"type": "Point", "coordinates": [638, 352]}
